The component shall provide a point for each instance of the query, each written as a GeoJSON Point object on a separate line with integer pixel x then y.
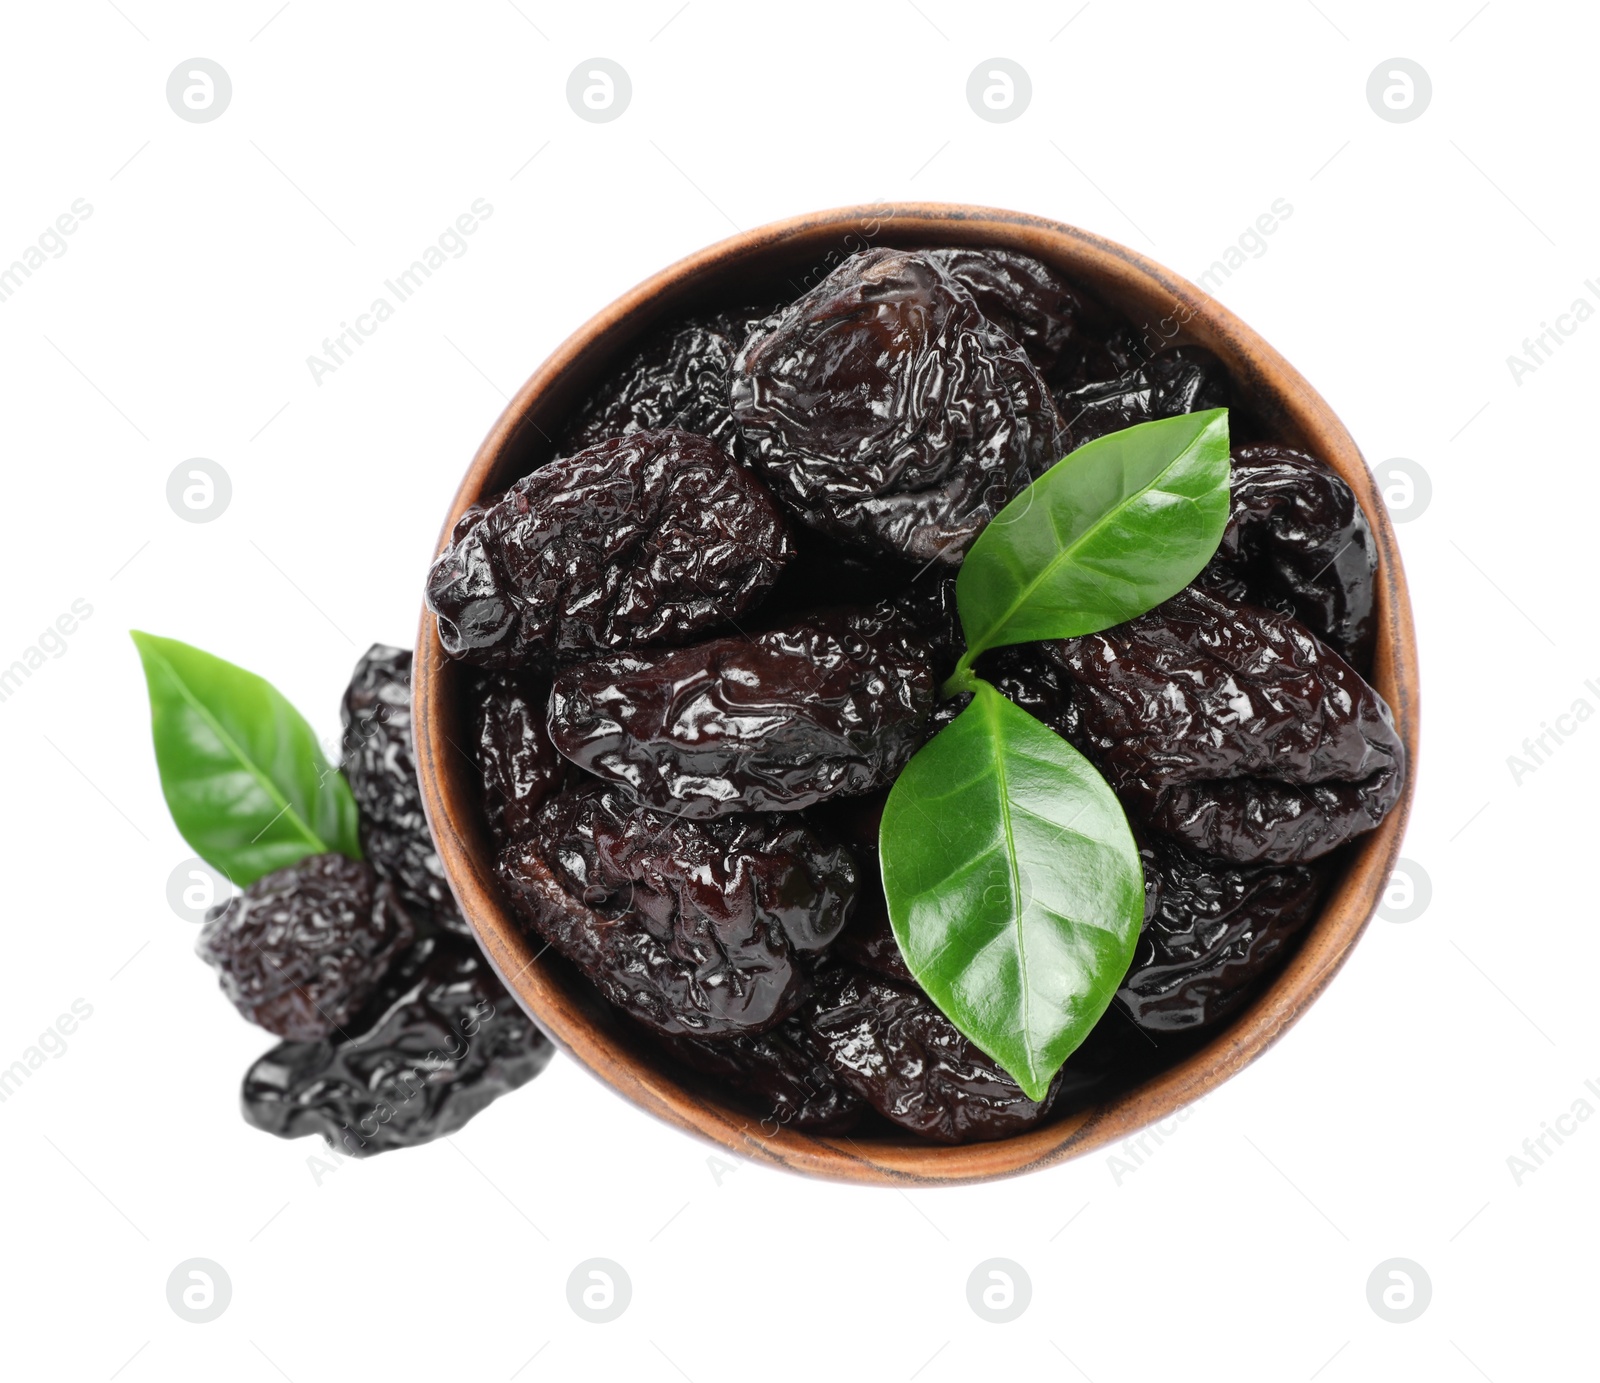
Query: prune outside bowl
{"type": "Point", "coordinates": [796, 252]}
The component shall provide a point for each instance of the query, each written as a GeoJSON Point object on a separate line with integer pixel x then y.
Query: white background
{"type": "Point", "coordinates": [177, 324]}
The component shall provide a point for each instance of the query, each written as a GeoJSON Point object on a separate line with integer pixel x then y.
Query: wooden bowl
{"type": "Point", "coordinates": [789, 252]}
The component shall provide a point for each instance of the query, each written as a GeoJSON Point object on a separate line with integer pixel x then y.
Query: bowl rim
{"type": "Point", "coordinates": [1124, 276]}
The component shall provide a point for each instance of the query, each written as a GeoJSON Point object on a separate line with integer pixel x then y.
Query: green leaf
{"type": "Point", "coordinates": [1014, 885]}
{"type": "Point", "coordinates": [1121, 524]}
{"type": "Point", "coordinates": [244, 777]}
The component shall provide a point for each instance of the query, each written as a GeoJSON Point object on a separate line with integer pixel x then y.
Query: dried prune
{"type": "Point", "coordinates": [869, 940]}
{"type": "Point", "coordinates": [518, 764]}
{"type": "Point", "coordinates": [1181, 379]}
{"type": "Point", "coordinates": [1033, 680]}
{"type": "Point", "coordinates": [1297, 540]}
{"type": "Point", "coordinates": [638, 540]}
{"type": "Point", "coordinates": [824, 572]}
{"type": "Point", "coordinates": [379, 763]}
{"type": "Point", "coordinates": [887, 410]}
{"type": "Point", "coordinates": [929, 603]}
{"type": "Point", "coordinates": [301, 949]}
{"type": "Point", "coordinates": [677, 379]}
{"type": "Point", "coordinates": [787, 1083]}
{"type": "Point", "coordinates": [834, 706]}
{"type": "Point", "coordinates": [695, 929]}
{"type": "Point", "coordinates": [1233, 728]}
{"type": "Point", "coordinates": [908, 1061]}
{"type": "Point", "coordinates": [1211, 929]}
{"type": "Point", "coordinates": [1029, 301]}
{"type": "Point", "coordinates": [441, 1040]}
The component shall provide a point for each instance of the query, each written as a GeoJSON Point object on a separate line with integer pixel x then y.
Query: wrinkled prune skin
{"type": "Point", "coordinates": [301, 949]}
{"type": "Point", "coordinates": [695, 929]}
{"type": "Point", "coordinates": [1297, 540]}
{"type": "Point", "coordinates": [518, 764]}
{"type": "Point", "coordinates": [885, 409]}
{"type": "Point", "coordinates": [677, 379]}
{"type": "Point", "coordinates": [908, 1061]}
{"type": "Point", "coordinates": [1181, 379]}
{"type": "Point", "coordinates": [380, 765]}
{"type": "Point", "coordinates": [789, 1086]}
{"type": "Point", "coordinates": [869, 941]}
{"type": "Point", "coordinates": [1030, 677]}
{"type": "Point", "coordinates": [1029, 301]}
{"type": "Point", "coordinates": [638, 540]}
{"type": "Point", "coordinates": [1211, 929]}
{"type": "Point", "coordinates": [826, 573]}
{"type": "Point", "coordinates": [833, 706]}
{"type": "Point", "coordinates": [439, 1042]}
{"type": "Point", "coordinates": [1233, 728]}
{"type": "Point", "coordinates": [929, 603]}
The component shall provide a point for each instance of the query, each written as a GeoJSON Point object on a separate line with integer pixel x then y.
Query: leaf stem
{"type": "Point", "coordinates": [963, 681]}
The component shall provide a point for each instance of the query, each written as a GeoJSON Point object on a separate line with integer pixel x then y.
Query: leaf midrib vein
{"type": "Point", "coordinates": [286, 808]}
{"type": "Point", "coordinates": [991, 713]}
{"type": "Point", "coordinates": [1026, 593]}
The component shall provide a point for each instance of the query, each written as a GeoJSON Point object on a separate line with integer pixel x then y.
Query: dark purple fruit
{"type": "Point", "coordinates": [695, 929]}
{"type": "Point", "coordinates": [777, 721]}
{"type": "Point", "coordinates": [639, 540]}
{"type": "Point", "coordinates": [380, 765]}
{"type": "Point", "coordinates": [302, 949]}
{"type": "Point", "coordinates": [441, 1041]}
{"type": "Point", "coordinates": [885, 409]}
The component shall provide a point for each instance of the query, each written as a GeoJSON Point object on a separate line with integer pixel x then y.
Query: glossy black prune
{"type": "Point", "coordinates": [789, 1086]}
{"type": "Point", "coordinates": [380, 765]}
{"type": "Point", "coordinates": [1297, 540]}
{"type": "Point", "coordinates": [929, 603]}
{"type": "Point", "coordinates": [825, 572]}
{"type": "Point", "coordinates": [440, 1041]}
{"type": "Point", "coordinates": [1029, 301]}
{"type": "Point", "coordinates": [677, 379]}
{"type": "Point", "coordinates": [869, 941]}
{"type": "Point", "coordinates": [516, 761]}
{"type": "Point", "coordinates": [1233, 728]}
{"type": "Point", "coordinates": [1211, 930]}
{"type": "Point", "coordinates": [695, 929]}
{"type": "Point", "coordinates": [1181, 379]}
{"type": "Point", "coordinates": [908, 1061]}
{"type": "Point", "coordinates": [833, 706]}
{"type": "Point", "coordinates": [885, 409]}
{"type": "Point", "coordinates": [301, 949]}
{"type": "Point", "coordinates": [645, 539]}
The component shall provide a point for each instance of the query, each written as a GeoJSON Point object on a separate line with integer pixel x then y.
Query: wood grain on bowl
{"type": "Point", "coordinates": [1173, 310]}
